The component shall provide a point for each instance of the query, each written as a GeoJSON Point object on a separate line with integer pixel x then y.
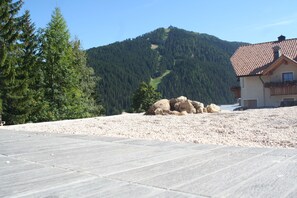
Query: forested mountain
{"type": "Point", "coordinates": [196, 65]}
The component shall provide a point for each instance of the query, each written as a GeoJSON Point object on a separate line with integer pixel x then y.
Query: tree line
{"type": "Point", "coordinates": [43, 74]}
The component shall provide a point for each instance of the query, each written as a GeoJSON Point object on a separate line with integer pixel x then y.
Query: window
{"type": "Point", "coordinates": [288, 76]}
{"type": "Point", "coordinates": [250, 104]}
{"type": "Point", "coordinates": [288, 102]}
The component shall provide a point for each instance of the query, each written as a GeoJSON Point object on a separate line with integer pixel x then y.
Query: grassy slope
{"type": "Point", "coordinates": [156, 81]}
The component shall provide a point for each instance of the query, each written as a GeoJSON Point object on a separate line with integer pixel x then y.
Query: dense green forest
{"type": "Point", "coordinates": [43, 74]}
{"type": "Point", "coordinates": [175, 61]}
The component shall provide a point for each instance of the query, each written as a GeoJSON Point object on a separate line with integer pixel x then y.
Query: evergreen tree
{"type": "Point", "coordinates": [30, 73]}
{"type": "Point", "coordinates": [144, 97]}
{"type": "Point", "coordinates": [87, 81]}
{"type": "Point", "coordinates": [66, 84]}
{"type": "Point", "coordinates": [9, 51]}
{"type": "Point", "coordinates": [59, 75]}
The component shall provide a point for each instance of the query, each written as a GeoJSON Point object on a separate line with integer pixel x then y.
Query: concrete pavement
{"type": "Point", "coordinates": [57, 165]}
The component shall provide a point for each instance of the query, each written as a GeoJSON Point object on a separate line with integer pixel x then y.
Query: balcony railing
{"type": "Point", "coordinates": [282, 88]}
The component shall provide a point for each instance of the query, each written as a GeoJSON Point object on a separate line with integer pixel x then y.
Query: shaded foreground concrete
{"type": "Point", "coordinates": [53, 165]}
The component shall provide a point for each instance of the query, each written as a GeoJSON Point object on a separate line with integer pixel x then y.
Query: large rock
{"type": "Point", "coordinates": [199, 106]}
{"type": "Point", "coordinates": [181, 99]}
{"type": "Point", "coordinates": [180, 106]}
{"type": "Point", "coordinates": [159, 111]}
{"type": "Point", "coordinates": [212, 108]}
{"type": "Point", "coordinates": [185, 106]}
{"type": "Point", "coordinates": [158, 107]}
{"type": "Point", "coordinates": [172, 102]}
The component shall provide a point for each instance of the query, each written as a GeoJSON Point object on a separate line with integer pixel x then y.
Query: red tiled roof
{"type": "Point", "coordinates": [254, 59]}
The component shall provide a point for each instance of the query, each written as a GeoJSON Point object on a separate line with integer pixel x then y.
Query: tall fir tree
{"type": "Point", "coordinates": [9, 49]}
{"type": "Point", "coordinates": [29, 73]}
{"type": "Point", "coordinates": [57, 62]}
{"type": "Point", "coordinates": [62, 76]}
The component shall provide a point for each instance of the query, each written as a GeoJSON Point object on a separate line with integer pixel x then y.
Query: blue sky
{"type": "Point", "coordinates": [101, 22]}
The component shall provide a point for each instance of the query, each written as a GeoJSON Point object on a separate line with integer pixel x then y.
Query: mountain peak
{"type": "Point", "coordinates": [196, 65]}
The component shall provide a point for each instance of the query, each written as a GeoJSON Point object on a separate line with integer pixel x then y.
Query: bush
{"type": "Point", "coordinates": [144, 97]}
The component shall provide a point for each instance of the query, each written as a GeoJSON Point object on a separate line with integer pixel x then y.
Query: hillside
{"type": "Point", "coordinates": [176, 61]}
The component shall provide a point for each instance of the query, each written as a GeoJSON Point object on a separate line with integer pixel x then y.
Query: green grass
{"type": "Point", "coordinates": [156, 81]}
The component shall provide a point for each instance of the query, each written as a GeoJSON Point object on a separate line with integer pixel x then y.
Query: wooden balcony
{"type": "Point", "coordinates": [282, 88]}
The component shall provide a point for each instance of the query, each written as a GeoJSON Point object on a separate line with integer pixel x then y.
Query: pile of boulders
{"type": "Point", "coordinates": [180, 106]}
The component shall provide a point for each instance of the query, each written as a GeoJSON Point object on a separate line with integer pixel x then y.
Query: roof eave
{"type": "Point", "coordinates": [277, 63]}
{"type": "Point", "coordinates": [248, 75]}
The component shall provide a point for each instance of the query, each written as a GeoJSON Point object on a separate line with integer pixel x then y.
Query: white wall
{"type": "Point", "coordinates": [277, 74]}
{"type": "Point", "coordinates": [252, 87]}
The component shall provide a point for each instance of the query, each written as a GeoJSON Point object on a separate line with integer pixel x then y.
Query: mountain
{"type": "Point", "coordinates": [175, 61]}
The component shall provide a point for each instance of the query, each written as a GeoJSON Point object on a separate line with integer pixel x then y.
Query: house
{"type": "Point", "coordinates": [267, 73]}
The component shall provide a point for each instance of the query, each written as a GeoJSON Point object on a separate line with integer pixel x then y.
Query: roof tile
{"type": "Point", "coordinates": [253, 59]}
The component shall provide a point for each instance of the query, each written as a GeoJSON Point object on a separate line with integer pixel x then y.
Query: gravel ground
{"type": "Point", "coordinates": [256, 128]}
